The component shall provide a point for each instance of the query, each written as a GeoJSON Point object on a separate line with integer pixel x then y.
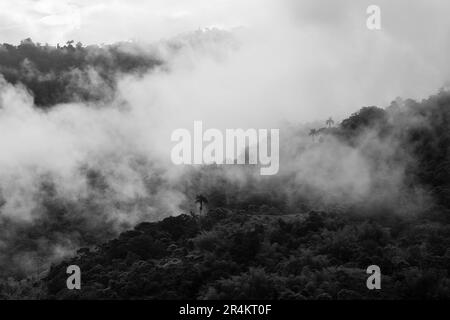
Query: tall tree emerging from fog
{"type": "Point", "coordinates": [329, 122]}
{"type": "Point", "coordinates": [313, 133]}
{"type": "Point", "coordinates": [201, 200]}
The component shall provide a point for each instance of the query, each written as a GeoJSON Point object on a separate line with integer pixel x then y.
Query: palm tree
{"type": "Point", "coordinates": [70, 44]}
{"type": "Point", "coordinates": [200, 199]}
{"type": "Point", "coordinates": [329, 122]}
{"type": "Point", "coordinates": [313, 133]}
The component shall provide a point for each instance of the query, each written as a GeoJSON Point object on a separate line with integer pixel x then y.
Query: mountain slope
{"type": "Point", "coordinates": [238, 255]}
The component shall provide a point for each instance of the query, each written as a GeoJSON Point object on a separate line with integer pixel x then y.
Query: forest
{"type": "Point", "coordinates": [297, 235]}
{"type": "Point", "coordinates": [68, 73]}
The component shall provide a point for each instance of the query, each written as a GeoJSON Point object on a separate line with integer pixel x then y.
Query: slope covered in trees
{"type": "Point", "coordinates": [257, 250]}
{"type": "Point", "coordinates": [250, 247]}
{"type": "Point", "coordinates": [71, 72]}
{"type": "Point", "coordinates": [241, 255]}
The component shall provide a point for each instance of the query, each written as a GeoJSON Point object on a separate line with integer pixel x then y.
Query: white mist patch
{"type": "Point", "coordinates": [63, 141]}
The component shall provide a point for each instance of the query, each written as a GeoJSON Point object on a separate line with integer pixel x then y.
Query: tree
{"type": "Point", "coordinates": [329, 122]}
{"type": "Point", "coordinates": [366, 117]}
{"type": "Point", "coordinates": [27, 42]}
{"type": "Point", "coordinates": [313, 133]}
{"type": "Point", "coordinates": [200, 199]}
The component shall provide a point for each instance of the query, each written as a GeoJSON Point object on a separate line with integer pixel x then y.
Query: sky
{"type": "Point", "coordinates": [91, 21]}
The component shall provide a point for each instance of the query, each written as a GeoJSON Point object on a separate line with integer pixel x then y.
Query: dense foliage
{"type": "Point", "coordinates": [240, 255]}
{"type": "Point", "coordinates": [71, 72]}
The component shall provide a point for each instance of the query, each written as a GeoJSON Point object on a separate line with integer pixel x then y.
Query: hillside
{"type": "Point", "coordinates": [262, 248]}
{"type": "Point", "coordinates": [239, 255]}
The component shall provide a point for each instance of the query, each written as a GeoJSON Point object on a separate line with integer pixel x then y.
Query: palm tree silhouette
{"type": "Point", "coordinates": [201, 200]}
{"type": "Point", "coordinates": [313, 133]}
{"type": "Point", "coordinates": [329, 122]}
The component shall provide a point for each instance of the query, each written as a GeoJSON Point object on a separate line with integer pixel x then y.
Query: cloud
{"type": "Point", "coordinates": [58, 21]}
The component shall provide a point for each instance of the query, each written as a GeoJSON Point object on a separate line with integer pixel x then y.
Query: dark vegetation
{"type": "Point", "coordinates": [241, 255]}
{"type": "Point", "coordinates": [254, 243]}
{"type": "Point", "coordinates": [71, 72]}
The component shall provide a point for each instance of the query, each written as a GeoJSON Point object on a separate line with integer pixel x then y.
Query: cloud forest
{"type": "Point", "coordinates": [86, 180]}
